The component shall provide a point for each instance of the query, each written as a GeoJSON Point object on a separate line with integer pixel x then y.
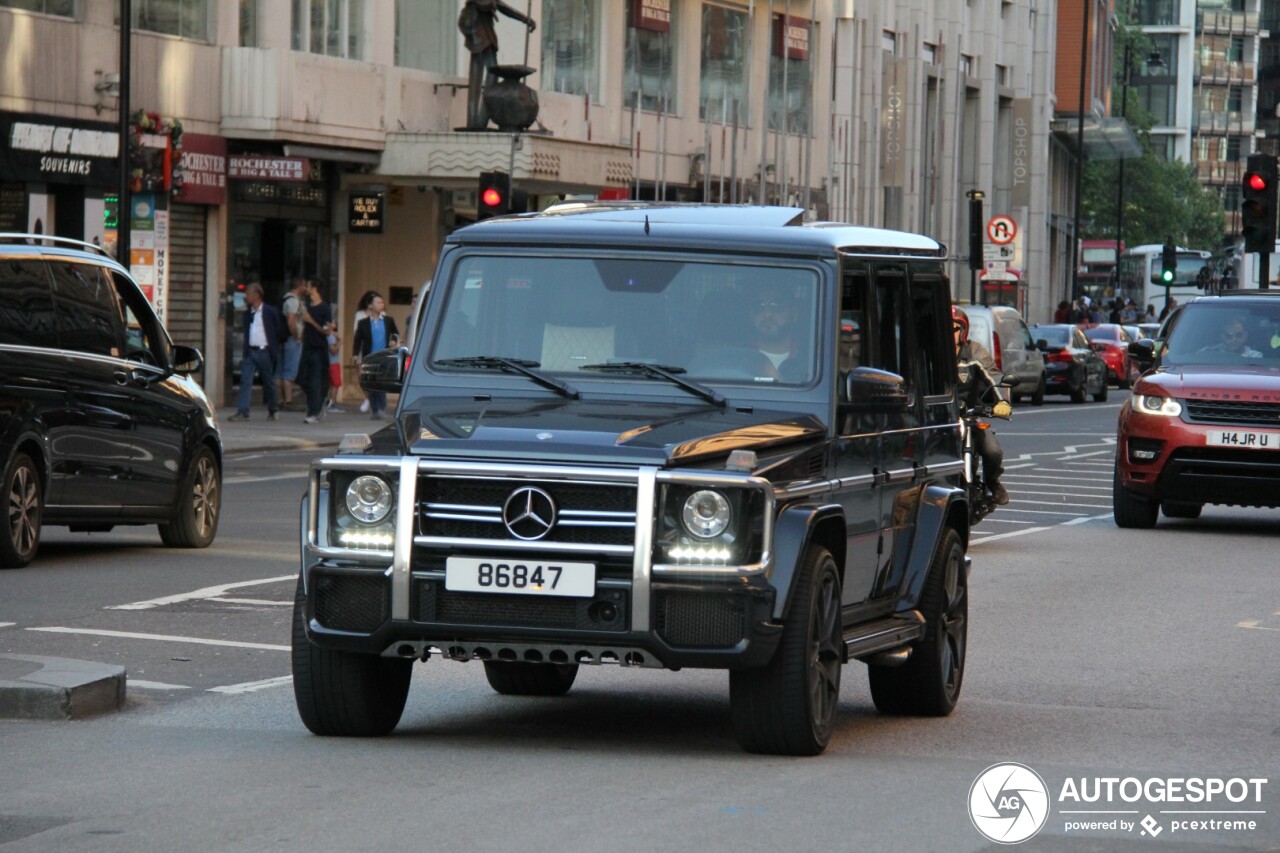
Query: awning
{"type": "Point", "coordinates": [1105, 138]}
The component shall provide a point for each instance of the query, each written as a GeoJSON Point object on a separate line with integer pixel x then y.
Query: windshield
{"type": "Point", "coordinates": [1227, 332]}
{"type": "Point", "coordinates": [1104, 333]}
{"type": "Point", "coordinates": [1055, 336]}
{"type": "Point", "coordinates": [705, 321]}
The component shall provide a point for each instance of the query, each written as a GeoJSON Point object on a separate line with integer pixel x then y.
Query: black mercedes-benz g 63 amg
{"type": "Point", "coordinates": [655, 436]}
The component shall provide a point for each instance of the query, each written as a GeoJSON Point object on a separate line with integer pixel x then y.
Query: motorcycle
{"type": "Point", "coordinates": [972, 419]}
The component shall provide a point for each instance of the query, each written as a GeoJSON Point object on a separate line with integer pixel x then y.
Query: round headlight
{"type": "Point", "coordinates": [706, 514]}
{"type": "Point", "coordinates": [368, 499]}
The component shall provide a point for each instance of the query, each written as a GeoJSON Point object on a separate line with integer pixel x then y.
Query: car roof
{"type": "Point", "coordinates": [1236, 295]}
{"type": "Point", "coordinates": [745, 229]}
{"type": "Point", "coordinates": [14, 245]}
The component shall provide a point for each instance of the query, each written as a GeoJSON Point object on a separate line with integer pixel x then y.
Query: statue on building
{"type": "Point", "coordinates": [476, 22]}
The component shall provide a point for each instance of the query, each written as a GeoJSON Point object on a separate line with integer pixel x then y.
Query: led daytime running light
{"type": "Point", "coordinates": [366, 538]}
{"type": "Point", "coordinates": [699, 553]}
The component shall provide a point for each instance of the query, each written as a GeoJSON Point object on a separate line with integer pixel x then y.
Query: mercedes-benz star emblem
{"type": "Point", "coordinates": [529, 513]}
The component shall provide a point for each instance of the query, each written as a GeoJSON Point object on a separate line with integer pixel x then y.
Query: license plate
{"type": "Point", "coordinates": [521, 577]}
{"type": "Point", "coordinates": [1247, 440]}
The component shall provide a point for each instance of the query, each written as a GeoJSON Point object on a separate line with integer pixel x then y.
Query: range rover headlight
{"type": "Point", "coordinates": [706, 514]}
{"type": "Point", "coordinates": [369, 499]}
{"type": "Point", "coordinates": [1150, 405]}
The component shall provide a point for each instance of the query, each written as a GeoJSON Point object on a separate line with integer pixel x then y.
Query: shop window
{"type": "Point", "coordinates": [725, 33]}
{"type": "Point", "coordinates": [427, 36]}
{"type": "Point", "coordinates": [329, 27]}
{"type": "Point", "coordinates": [183, 18]}
{"type": "Point", "coordinates": [650, 71]}
{"type": "Point", "coordinates": [62, 8]}
{"type": "Point", "coordinates": [790, 76]}
{"type": "Point", "coordinates": [570, 31]}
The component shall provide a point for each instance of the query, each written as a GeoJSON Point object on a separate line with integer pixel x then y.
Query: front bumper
{"type": "Point", "coordinates": [1185, 468]}
{"type": "Point", "coordinates": [396, 603]}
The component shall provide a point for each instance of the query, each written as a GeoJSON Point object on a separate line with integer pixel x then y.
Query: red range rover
{"type": "Point", "coordinates": [1203, 427]}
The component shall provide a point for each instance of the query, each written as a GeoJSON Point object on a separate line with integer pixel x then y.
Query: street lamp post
{"type": "Point", "coordinates": [123, 206]}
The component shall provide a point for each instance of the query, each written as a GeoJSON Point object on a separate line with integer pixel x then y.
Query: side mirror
{"type": "Point", "coordinates": [1042, 345]}
{"type": "Point", "coordinates": [1011, 381]}
{"type": "Point", "coordinates": [1144, 353]}
{"type": "Point", "coordinates": [867, 389]}
{"type": "Point", "coordinates": [384, 370]}
{"type": "Point", "coordinates": [186, 359]}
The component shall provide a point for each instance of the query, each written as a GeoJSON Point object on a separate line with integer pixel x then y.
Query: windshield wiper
{"type": "Point", "coordinates": [661, 371]}
{"type": "Point", "coordinates": [522, 366]}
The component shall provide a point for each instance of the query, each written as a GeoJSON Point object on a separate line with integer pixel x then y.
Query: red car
{"type": "Point", "coordinates": [1203, 427]}
{"type": "Point", "coordinates": [1111, 341]}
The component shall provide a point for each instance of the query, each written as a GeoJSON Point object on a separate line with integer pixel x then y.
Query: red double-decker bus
{"type": "Point", "coordinates": [1097, 275]}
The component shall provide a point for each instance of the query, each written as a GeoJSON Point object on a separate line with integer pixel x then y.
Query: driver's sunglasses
{"type": "Point", "coordinates": [1234, 335]}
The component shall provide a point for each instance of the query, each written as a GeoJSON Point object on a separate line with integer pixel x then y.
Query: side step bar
{"type": "Point", "coordinates": [883, 641]}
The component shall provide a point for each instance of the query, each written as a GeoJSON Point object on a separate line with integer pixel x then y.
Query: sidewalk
{"type": "Point", "coordinates": [290, 432]}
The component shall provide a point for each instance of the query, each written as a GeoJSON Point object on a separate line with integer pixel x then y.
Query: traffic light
{"type": "Point", "coordinates": [1168, 263]}
{"type": "Point", "coordinates": [494, 197]}
{"type": "Point", "coordinates": [111, 211]}
{"type": "Point", "coordinates": [1258, 208]}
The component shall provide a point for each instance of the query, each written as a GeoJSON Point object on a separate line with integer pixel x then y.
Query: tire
{"type": "Point", "coordinates": [788, 706]}
{"type": "Point", "coordinates": [344, 693]}
{"type": "Point", "coordinates": [1129, 510]}
{"type": "Point", "coordinates": [199, 505]}
{"type": "Point", "coordinates": [517, 678]}
{"type": "Point", "coordinates": [1101, 396]}
{"type": "Point", "coordinates": [1037, 398]}
{"type": "Point", "coordinates": [929, 683]}
{"type": "Point", "coordinates": [24, 512]}
{"type": "Point", "coordinates": [1177, 510]}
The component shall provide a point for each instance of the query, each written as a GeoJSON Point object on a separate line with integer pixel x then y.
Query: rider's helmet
{"type": "Point", "coordinates": [960, 322]}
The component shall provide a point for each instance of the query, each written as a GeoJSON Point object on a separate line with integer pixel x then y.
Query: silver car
{"type": "Point", "coordinates": [1002, 330]}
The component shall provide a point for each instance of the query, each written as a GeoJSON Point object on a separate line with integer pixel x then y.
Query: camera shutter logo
{"type": "Point", "coordinates": [1008, 803]}
{"type": "Point", "coordinates": [529, 513]}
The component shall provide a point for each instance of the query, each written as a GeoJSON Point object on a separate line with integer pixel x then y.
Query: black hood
{"type": "Point", "coordinates": [596, 432]}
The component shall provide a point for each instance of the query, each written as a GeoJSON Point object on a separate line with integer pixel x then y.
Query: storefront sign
{"type": "Point", "coordinates": [893, 154]}
{"type": "Point", "coordinates": [149, 250]}
{"type": "Point", "coordinates": [253, 167]}
{"type": "Point", "coordinates": [365, 212]}
{"type": "Point", "coordinates": [204, 169]}
{"type": "Point", "coordinates": [792, 34]}
{"type": "Point", "coordinates": [651, 15]}
{"type": "Point", "coordinates": [13, 208]}
{"type": "Point", "coordinates": [1020, 156]}
{"type": "Point", "coordinates": [60, 151]}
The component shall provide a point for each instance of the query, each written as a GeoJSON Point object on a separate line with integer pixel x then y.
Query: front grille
{"type": "Point", "coordinates": [1233, 412]}
{"type": "Point", "coordinates": [606, 611]}
{"type": "Point", "coordinates": [692, 619]}
{"type": "Point", "coordinates": [351, 602]}
{"type": "Point", "coordinates": [1222, 475]}
{"type": "Point", "coordinates": [471, 508]}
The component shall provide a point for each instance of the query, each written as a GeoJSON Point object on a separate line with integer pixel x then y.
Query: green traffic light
{"type": "Point", "coordinates": [1167, 275]}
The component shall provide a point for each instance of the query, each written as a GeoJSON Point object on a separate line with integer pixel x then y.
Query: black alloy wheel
{"type": "Point", "coordinates": [788, 706]}
{"type": "Point", "coordinates": [199, 505]}
{"type": "Point", "coordinates": [929, 683]}
{"type": "Point", "coordinates": [24, 513]}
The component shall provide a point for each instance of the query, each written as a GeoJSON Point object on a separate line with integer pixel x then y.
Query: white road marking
{"type": "Point", "coordinates": [251, 686]}
{"type": "Point", "coordinates": [154, 685]}
{"type": "Point", "coordinates": [207, 592]}
{"type": "Point", "coordinates": [7, 624]}
{"type": "Point", "coordinates": [1040, 511]}
{"type": "Point", "coordinates": [1027, 502]}
{"type": "Point", "coordinates": [1069, 470]}
{"type": "Point", "coordinates": [1009, 535]}
{"type": "Point", "coordinates": [1017, 487]}
{"type": "Point", "coordinates": [168, 638]}
{"type": "Point", "coordinates": [1054, 478]}
{"type": "Point", "coordinates": [1090, 518]}
{"type": "Point", "coordinates": [262, 601]}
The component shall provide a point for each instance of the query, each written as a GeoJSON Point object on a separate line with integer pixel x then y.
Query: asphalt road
{"type": "Point", "coordinates": [1095, 653]}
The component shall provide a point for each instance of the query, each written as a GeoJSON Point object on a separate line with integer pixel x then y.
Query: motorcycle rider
{"type": "Point", "coordinates": [978, 376]}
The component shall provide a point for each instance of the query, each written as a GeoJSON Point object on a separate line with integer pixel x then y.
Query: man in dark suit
{"type": "Point", "coordinates": [375, 332]}
{"type": "Point", "coordinates": [263, 332]}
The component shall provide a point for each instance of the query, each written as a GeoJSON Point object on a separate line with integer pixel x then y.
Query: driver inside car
{"type": "Point", "coordinates": [978, 376]}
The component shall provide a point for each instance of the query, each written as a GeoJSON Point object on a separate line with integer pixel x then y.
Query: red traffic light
{"type": "Point", "coordinates": [491, 198]}
{"type": "Point", "coordinates": [1254, 181]}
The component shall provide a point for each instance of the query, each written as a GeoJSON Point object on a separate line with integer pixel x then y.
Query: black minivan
{"type": "Point", "coordinates": [101, 422]}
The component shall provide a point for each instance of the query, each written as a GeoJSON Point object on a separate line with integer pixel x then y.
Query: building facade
{"type": "Point", "coordinates": [278, 138]}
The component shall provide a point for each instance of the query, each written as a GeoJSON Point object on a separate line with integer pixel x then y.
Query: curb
{"type": "Point", "coordinates": [34, 687]}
